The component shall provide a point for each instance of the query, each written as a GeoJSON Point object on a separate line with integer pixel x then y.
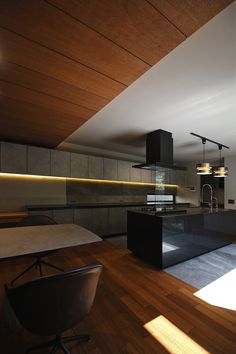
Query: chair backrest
{"type": "Point", "coordinates": [34, 220]}
{"type": "Point", "coordinates": [53, 304]}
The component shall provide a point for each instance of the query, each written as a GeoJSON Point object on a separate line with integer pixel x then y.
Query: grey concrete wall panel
{"type": "Point", "coordinates": [13, 158]}
{"type": "Point", "coordinates": [39, 161]}
{"type": "Point", "coordinates": [60, 163]}
{"type": "Point", "coordinates": [95, 167]}
{"type": "Point", "coordinates": [135, 173]}
{"type": "Point", "coordinates": [79, 165]}
{"type": "Point", "coordinates": [123, 170]}
{"type": "Point", "coordinates": [110, 169]}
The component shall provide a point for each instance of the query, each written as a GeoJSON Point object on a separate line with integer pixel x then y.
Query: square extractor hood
{"type": "Point", "coordinates": [159, 152]}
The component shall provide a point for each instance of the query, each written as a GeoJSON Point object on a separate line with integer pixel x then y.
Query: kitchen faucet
{"type": "Point", "coordinates": [211, 196]}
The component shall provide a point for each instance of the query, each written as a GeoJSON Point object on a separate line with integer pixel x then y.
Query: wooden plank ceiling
{"type": "Point", "coordinates": [63, 61]}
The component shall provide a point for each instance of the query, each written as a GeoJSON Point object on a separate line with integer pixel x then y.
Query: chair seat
{"type": "Point", "coordinates": [54, 304]}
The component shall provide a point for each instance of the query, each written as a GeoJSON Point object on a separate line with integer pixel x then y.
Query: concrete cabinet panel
{"type": "Point", "coordinates": [146, 176]}
{"type": "Point", "coordinates": [83, 217]}
{"type": "Point", "coordinates": [123, 170]}
{"type": "Point", "coordinates": [39, 161]}
{"type": "Point", "coordinates": [60, 163]}
{"type": "Point", "coordinates": [13, 158]}
{"type": "Point", "coordinates": [115, 220]}
{"type": "Point", "coordinates": [79, 165]}
{"type": "Point", "coordinates": [48, 212]}
{"type": "Point", "coordinates": [63, 216]}
{"type": "Point", "coordinates": [95, 167]}
{"type": "Point", "coordinates": [100, 221]}
{"type": "Point", "coordinates": [135, 173]}
{"type": "Point", "coordinates": [124, 220]}
{"type": "Point", "coordinates": [110, 169]}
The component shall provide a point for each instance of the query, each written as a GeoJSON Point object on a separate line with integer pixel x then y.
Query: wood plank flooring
{"type": "Point", "coordinates": [130, 294]}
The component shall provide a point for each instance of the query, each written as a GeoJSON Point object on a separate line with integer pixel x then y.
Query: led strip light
{"type": "Point", "coordinates": [90, 180]}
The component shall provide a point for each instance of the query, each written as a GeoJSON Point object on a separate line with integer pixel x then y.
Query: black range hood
{"type": "Point", "coordinates": [159, 152]}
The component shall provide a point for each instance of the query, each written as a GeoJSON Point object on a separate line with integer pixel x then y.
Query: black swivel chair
{"type": "Point", "coordinates": [36, 220]}
{"type": "Point", "coordinates": [53, 304]}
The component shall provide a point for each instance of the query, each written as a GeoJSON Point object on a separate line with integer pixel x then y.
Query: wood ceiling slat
{"type": "Point", "coordinates": [41, 22]}
{"type": "Point", "coordinates": [34, 124]}
{"type": "Point", "coordinates": [19, 75]}
{"type": "Point", "coordinates": [84, 54]}
{"type": "Point", "coordinates": [26, 95]}
{"type": "Point", "coordinates": [18, 50]}
{"type": "Point", "coordinates": [63, 120]}
{"type": "Point", "coordinates": [190, 15]}
{"type": "Point", "coordinates": [132, 24]}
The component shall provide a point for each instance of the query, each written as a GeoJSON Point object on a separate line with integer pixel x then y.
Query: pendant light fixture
{"type": "Point", "coordinates": [221, 170]}
{"type": "Point", "coordinates": [204, 168]}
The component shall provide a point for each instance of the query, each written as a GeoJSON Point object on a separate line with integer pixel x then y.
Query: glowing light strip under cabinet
{"type": "Point", "coordinates": [14, 175]}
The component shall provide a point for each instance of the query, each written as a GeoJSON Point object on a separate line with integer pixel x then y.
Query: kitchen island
{"type": "Point", "coordinates": [165, 238]}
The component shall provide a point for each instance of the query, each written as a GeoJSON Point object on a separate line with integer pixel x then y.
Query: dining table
{"type": "Point", "coordinates": [27, 240]}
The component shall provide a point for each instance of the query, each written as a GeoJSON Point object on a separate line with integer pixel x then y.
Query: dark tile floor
{"type": "Point", "coordinates": [203, 270]}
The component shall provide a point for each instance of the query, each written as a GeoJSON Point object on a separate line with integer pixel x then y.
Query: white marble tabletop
{"type": "Point", "coordinates": [19, 241]}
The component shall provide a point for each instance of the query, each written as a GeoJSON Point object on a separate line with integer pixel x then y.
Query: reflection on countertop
{"type": "Point", "coordinates": [179, 211]}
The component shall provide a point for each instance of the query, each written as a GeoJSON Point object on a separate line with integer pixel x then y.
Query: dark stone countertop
{"type": "Point", "coordinates": [189, 211]}
{"type": "Point", "coordinates": [98, 205]}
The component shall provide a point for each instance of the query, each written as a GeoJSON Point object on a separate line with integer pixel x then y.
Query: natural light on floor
{"type": "Point", "coordinates": [172, 338]}
{"type": "Point", "coordinates": [221, 292]}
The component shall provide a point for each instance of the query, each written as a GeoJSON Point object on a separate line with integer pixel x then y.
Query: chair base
{"type": "Point", "coordinates": [37, 264]}
{"type": "Point", "coordinates": [59, 343]}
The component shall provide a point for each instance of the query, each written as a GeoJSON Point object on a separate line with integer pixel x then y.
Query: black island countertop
{"type": "Point", "coordinates": [165, 238]}
{"type": "Point", "coordinates": [167, 212]}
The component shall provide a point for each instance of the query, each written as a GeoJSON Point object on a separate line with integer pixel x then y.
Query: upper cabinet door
{"type": "Point", "coordinates": [13, 158]}
{"type": "Point", "coordinates": [79, 165]}
{"type": "Point", "coordinates": [123, 170]}
{"type": "Point", "coordinates": [110, 169]}
{"type": "Point", "coordinates": [60, 163]}
{"type": "Point", "coordinates": [96, 167]}
{"type": "Point", "coordinates": [38, 161]}
{"type": "Point", "coordinates": [135, 173]}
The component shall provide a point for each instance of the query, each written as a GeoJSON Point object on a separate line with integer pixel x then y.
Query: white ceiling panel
{"type": "Point", "coordinates": [193, 89]}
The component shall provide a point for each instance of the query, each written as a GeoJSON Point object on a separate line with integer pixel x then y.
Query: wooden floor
{"type": "Point", "coordinates": [131, 293]}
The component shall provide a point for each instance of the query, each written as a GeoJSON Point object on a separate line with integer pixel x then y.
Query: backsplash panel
{"type": "Point", "coordinates": [82, 192]}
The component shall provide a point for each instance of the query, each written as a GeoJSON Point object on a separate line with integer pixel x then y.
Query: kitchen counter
{"type": "Point", "coordinates": [104, 219]}
{"type": "Point", "coordinates": [96, 205]}
{"type": "Point", "coordinates": [181, 209]}
{"type": "Point", "coordinates": [166, 238]}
